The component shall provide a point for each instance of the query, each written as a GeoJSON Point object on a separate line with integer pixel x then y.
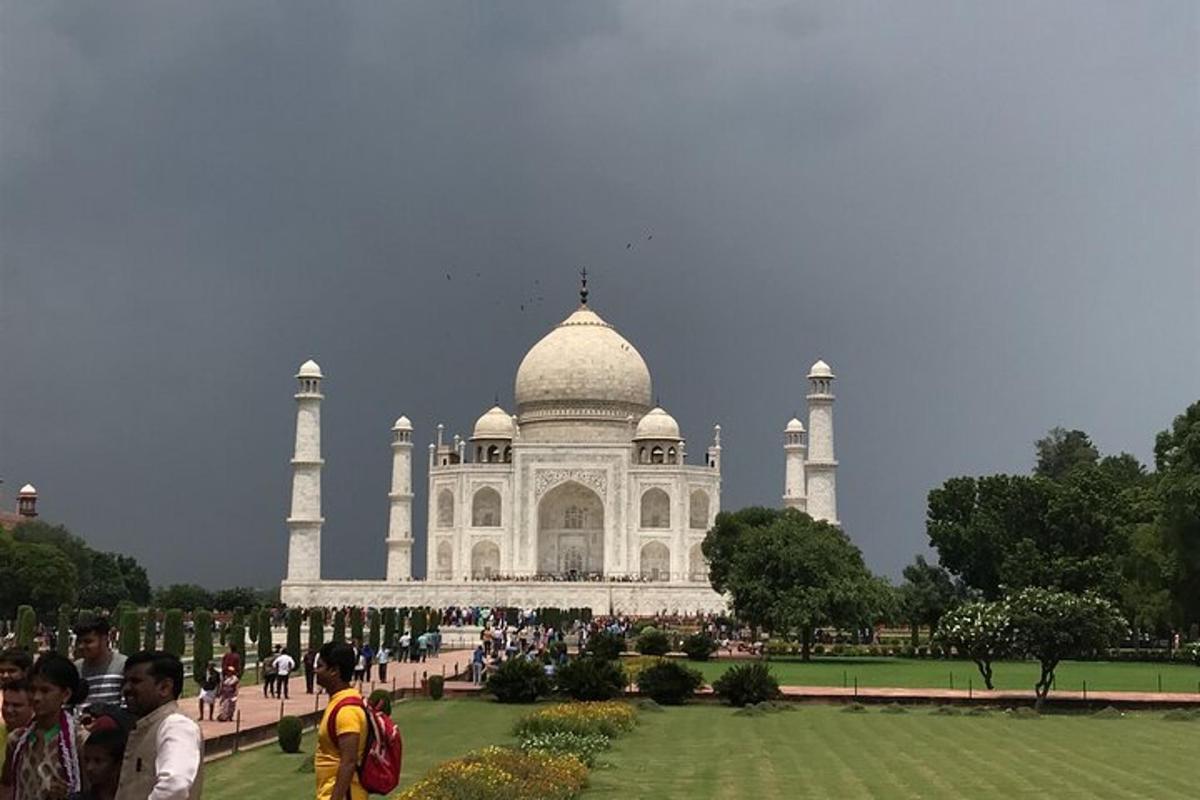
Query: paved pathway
{"type": "Point", "coordinates": [257, 710]}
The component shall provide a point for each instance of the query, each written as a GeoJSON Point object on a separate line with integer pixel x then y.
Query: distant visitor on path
{"type": "Point", "coordinates": [227, 695]}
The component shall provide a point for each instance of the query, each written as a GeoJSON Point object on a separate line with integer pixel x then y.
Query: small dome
{"type": "Point", "coordinates": [794, 426]}
{"type": "Point", "coordinates": [402, 424]}
{"type": "Point", "coordinates": [495, 424]}
{"type": "Point", "coordinates": [309, 369]}
{"type": "Point", "coordinates": [27, 489]}
{"type": "Point", "coordinates": [657, 424]}
{"type": "Point", "coordinates": [820, 370]}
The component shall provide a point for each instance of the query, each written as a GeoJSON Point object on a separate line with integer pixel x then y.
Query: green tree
{"type": "Point", "coordinates": [339, 626]}
{"type": "Point", "coordinates": [104, 585]}
{"type": "Point", "coordinates": [981, 631]}
{"type": "Point", "coordinates": [62, 637]}
{"type": "Point", "coordinates": [373, 629]}
{"type": "Point", "coordinates": [265, 644]}
{"type": "Point", "coordinates": [293, 633]}
{"type": "Point", "coordinates": [202, 642]}
{"type": "Point", "coordinates": [36, 574]}
{"type": "Point", "coordinates": [1061, 451]}
{"type": "Point", "coordinates": [1049, 626]}
{"type": "Point", "coordinates": [133, 575]}
{"type": "Point", "coordinates": [792, 574]}
{"type": "Point", "coordinates": [183, 595]}
{"type": "Point", "coordinates": [1177, 460]}
{"type": "Point", "coordinates": [252, 624]}
{"type": "Point", "coordinates": [235, 597]}
{"type": "Point", "coordinates": [927, 593]}
{"type": "Point", "coordinates": [26, 628]}
{"type": "Point", "coordinates": [150, 635]}
{"type": "Point", "coordinates": [130, 640]}
{"type": "Point", "coordinates": [316, 628]}
{"type": "Point", "coordinates": [356, 624]}
{"type": "Point", "coordinates": [236, 635]}
{"type": "Point", "coordinates": [389, 627]}
{"type": "Point", "coordinates": [173, 636]}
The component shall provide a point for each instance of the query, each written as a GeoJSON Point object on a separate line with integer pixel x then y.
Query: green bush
{"type": "Point", "coordinates": [265, 644]}
{"type": "Point", "coordinates": [62, 639]}
{"type": "Point", "coordinates": [606, 645]}
{"type": "Point", "coordinates": [356, 625]}
{"type": "Point", "coordinates": [518, 681]}
{"type": "Point", "coordinates": [373, 630]}
{"type": "Point", "coordinates": [150, 635]}
{"type": "Point", "coordinates": [669, 683]}
{"type": "Point", "coordinates": [339, 626]}
{"type": "Point", "coordinates": [236, 634]}
{"type": "Point", "coordinates": [699, 646]}
{"type": "Point", "coordinates": [290, 731]}
{"type": "Point", "coordinates": [130, 641]}
{"type": "Point", "coordinates": [653, 642]}
{"type": "Point", "coordinates": [746, 684]}
{"type": "Point", "coordinates": [173, 639]}
{"type": "Point", "coordinates": [316, 628]}
{"type": "Point", "coordinates": [591, 678]}
{"type": "Point", "coordinates": [381, 699]}
{"type": "Point", "coordinates": [437, 687]}
{"type": "Point", "coordinates": [202, 643]}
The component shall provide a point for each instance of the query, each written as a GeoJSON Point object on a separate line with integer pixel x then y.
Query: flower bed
{"type": "Point", "coordinates": [502, 773]}
{"type": "Point", "coordinates": [610, 718]}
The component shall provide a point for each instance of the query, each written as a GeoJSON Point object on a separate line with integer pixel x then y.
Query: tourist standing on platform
{"type": "Point", "coordinates": [45, 761]}
{"type": "Point", "coordinates": [232, 658]}
{"type": "Point", "coordinates": [268, 673]}
{"type": "Point", "coordinates": [227, 695]}
{"type": "Point", "coordinates": [477, 659]}
{"type": "Point", "coordinates": [360, 666]}
{"type": "Point", "coordinates": [367, 657]}
{"type": "Point", "coordinates": [405, 645]}
{"type": "Point", "coordinates": [208, 691]}
{"type": "Point", "coordinates": [338, 754]}
{"type": "Point", "coordinates": [382, 658]}
{"type": "Point", "coordinates": [423, 646]}
{"type": "Point", "coordinates": [164, 756]}
{"type": "Point", "coordinates": [284, 664]}
{"type": "Point", "coordinates": [100, 666]}
{"type": "Point", "coordinates": [310, 657]}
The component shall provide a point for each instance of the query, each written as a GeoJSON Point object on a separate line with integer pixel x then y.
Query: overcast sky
{"type": "Point", "coordinates": [983, 215]}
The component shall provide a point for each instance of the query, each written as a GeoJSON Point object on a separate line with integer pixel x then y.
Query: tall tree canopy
{"type": "Point", "coordinates": [927, 593]}
{"type": "Point", "coordinates": [1062, 451]}
{"type": "Point", "coordinates": [102, 579]}
{"type": "Point", "coordinates": [1177, 459]}
{"type": "Point", "coordinates": [791, 574]}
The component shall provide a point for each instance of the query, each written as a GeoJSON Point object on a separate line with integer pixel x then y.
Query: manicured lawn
{"type": "Point", "coordinates": [433, 732]}
{"type": "Point", "coordinates": [707, 751]}
{"type": "Point", "coordinates": [698, 752]}
{"type": "Point", "coordinates": [920, 673]}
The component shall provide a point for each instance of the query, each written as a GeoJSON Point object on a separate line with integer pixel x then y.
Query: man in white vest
{"type": "Point", "coordinates": [164, 756]}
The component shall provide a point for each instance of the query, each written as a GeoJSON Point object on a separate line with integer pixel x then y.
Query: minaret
{"type": "Point", "coordinates": [794, 490]}
{"type": "Point", "coordinates": [399, 539]}
{"type": "Point", "coordinates": [304, 523]}
{"type": "Point", "coordinates": [821, 465]}
{"type": "Point", "coordinates": [712, 458]}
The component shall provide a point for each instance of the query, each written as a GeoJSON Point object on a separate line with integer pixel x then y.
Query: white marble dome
{"type": "Point", "coordinates": [657, 424]}
{"type": "Point", "coordinates": [27, 490]}
{"type": "Point", "coordinates": [402, 424]}
{"type": "Point", "coordinates": [794, 426]}
{"type": "Point", "coordinates": [582, 362]}
{"type": "Point", "coordinates": [820, 370]}
{"type": "Point", "coordinates": [494, 424]}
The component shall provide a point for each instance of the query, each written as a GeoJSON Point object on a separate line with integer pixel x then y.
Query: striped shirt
{"type": "Point", "coordinates": [104, 680]}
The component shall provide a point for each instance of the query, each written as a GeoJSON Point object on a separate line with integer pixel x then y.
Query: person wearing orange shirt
{"type": "Point", "coordinates": [337, 757]}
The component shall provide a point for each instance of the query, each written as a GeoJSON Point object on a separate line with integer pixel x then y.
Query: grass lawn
{"type": "Point", "coordinates": [433, 732]}
{"type": "Point", "coordinates": [921, 673]}
{"type": "Point", "coordinates": [707, 751]}
{"type": "Point", "coordinates": [698, 752]}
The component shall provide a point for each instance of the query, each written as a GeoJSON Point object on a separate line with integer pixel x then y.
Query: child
{"type": "Point", "coordinates": [45, 758]}
{"type": "Point", "coordinates": [102, 755]}
{"type": "Point", "coordinates": [14, 666]}
{"type": "Point", "coordinates": [18, 713]}
{"type": "Point", "coordinates": [208, 691]}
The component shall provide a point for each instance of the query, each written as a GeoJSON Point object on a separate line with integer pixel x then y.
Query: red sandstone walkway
{"type": "Point", "coordinates": [257, 710]}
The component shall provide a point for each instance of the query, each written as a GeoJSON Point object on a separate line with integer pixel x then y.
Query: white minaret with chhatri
{"type": "Point", "coordinates": [399, 538]}
{"type": "Point", "coordinates": [795, 492]}
{"type": "Point", "coordinates": [305, 520]}
{"type": "Point", "coordinates": [821, 467]}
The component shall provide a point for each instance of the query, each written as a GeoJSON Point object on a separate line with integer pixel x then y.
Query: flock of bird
{"type": "Point", "coordinates": [534, 293]}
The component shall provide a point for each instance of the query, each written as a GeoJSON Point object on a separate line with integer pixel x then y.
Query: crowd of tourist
{"type": "Point", "coordinates": [101, 727]}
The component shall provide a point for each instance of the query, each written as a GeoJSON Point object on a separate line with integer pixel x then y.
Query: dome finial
{"type": "Point", "coordinates": [583, 290]}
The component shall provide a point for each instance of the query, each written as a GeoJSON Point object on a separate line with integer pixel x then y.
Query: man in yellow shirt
{"type": "Point", "coordinates": [336, 760]}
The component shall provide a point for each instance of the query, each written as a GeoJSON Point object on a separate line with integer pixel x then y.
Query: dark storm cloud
{"type": "Point", "coordinates": [983, 217]}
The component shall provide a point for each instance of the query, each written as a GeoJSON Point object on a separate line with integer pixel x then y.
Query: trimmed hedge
{"type": "Point", "coordinates": [747, 684]}
{"type": "Point", "coordinates": [437, 687]}
{"type": "Point", "coordinates": [669, 683]}
{"type": "Point", "coordinates": [173, 638]}
{"type": "Point", "coordinates": [591, 678]}
{"type": "Point", "coordinates": [202, 643]}
{"type": "Point", "coordinates": [653, 642]}
{"type": "Point", "coordinates": [699, 646]}
{"type": "Point", "coordinates": [290, 731]}
{"type": "Point", "coordinates": [518, 681]}
{"type": "Point", "coordinates": [606, 645]}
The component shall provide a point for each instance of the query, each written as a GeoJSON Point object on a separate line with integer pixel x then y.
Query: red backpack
{"type": "Point", "coordinates": [379, 772]}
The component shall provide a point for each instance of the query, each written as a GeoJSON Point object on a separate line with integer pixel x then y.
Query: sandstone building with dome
{"type": "Point", "coordinates": [583, 497]}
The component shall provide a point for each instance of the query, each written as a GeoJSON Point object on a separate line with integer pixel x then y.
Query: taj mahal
{"type": "Point", "coordinates": [582, 498]}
